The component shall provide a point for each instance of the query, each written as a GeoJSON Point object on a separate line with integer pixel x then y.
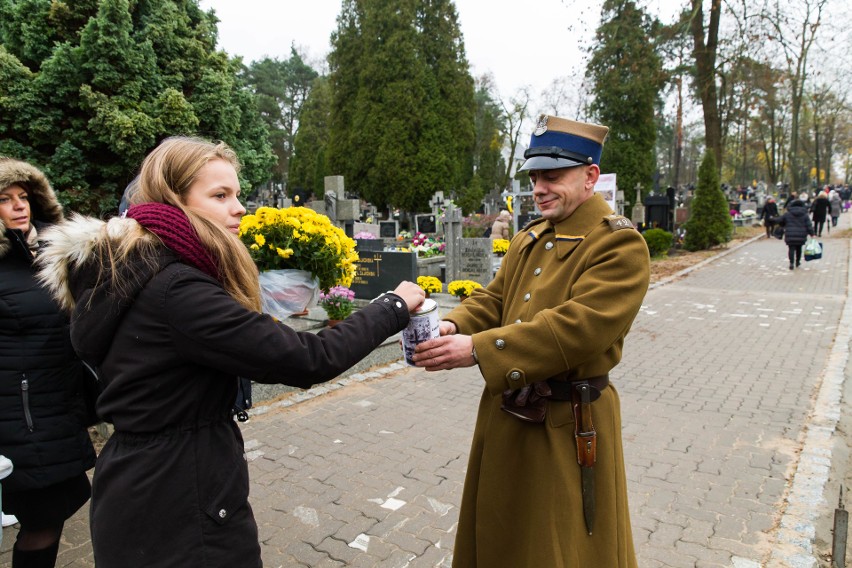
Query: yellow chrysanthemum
{"type": "Point", "coordinates": [259, 239]}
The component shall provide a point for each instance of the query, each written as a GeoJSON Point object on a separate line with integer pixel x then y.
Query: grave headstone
{"type": "Point", "coordinates": [452, 223]}
{"type": "Point", "coordinates": [476, 260]}
{"type": "Point", "coordinates": [377, 272]}
{"type": "Point", "coordinates": [426, 223]}
{"type": "Point", "coordinates": [525, 218]}
{"type": "Point", "coordinates": [371, 228]}
{"type": "Point", "coordinates": [318, 206]}
{"type": "Point", "coordinates": [638, 215]}
{"type": "Point", "coordinates": [388, 229]}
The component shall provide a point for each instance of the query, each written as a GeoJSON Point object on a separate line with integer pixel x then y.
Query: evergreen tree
{"type": "Point", "coordinates": [97, 84]}
{"type": "Point", "coordinates": [709, 222]}
{"type": "Point", "coordinates": [488, 161]}
{"type": "Point", "coordinates": [282, 87]}
{"type": "Point", "coordinates": [402, 110]}
{"type": "Point", "coordinates": [627, 77]}
{"type": "Point", "coordinates": [309, 165]}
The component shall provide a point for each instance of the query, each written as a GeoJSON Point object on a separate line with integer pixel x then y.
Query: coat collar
{"type": "Point", "coordinates": [571, 231]}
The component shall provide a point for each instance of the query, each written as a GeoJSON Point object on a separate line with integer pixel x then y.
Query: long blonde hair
{"type": "Point", "coordinates": [166, 176]}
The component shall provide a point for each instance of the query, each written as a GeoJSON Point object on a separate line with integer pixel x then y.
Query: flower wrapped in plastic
{"type": "Point", "coordinates": [297, 238]}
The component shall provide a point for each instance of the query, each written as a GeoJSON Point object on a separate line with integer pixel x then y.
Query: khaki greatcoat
{"type": "Point", "coordinates": [560, 306]}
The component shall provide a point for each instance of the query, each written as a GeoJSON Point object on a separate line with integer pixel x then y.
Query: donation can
{"type": "Point", "coordinates": [423, 326]}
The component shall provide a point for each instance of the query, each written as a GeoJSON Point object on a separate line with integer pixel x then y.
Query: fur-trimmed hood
{"type": "Point", "coordinates": [75, 266]}
{"type": "Point", "coordinates": [44, 205]}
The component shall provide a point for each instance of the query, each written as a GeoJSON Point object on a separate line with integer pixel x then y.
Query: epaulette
{"type": "Point", "coordinates": [533, 223]}
{"type": "Point", "coordinates": [617, 222]}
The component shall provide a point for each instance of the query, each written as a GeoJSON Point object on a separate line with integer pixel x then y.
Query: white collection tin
{"type": "Point", "coordinates": [424, 325]}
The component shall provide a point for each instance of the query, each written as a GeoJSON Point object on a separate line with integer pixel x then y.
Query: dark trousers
{"type": "Point", "coordinates": [795, 254]}
{"type": "Point", "coordinates": [769, 227]}
{"type": "Point", "coordinates": [818, 225]}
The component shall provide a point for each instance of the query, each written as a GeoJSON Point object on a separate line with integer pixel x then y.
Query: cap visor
{"type": "Point", "coordinates": [548, 163]}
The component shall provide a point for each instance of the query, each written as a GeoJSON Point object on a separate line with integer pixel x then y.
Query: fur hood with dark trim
{"type": "Point", "coordinates": [44, 205]}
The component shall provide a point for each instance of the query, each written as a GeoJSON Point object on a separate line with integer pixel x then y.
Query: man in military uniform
{"type": "Point", "coordinates": [545, 483]}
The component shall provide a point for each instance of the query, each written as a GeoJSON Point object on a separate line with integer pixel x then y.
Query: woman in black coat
{"type": "Point", "coordinates": [768, 215]}
{"type": "Point", "coordinates": [797, 226]}
{"type": "Point", "coordinates": [819, 210]}
{"type": "Point", "coordinates": [166, 303]}
{"type": "Point", "coordinates": [41, 409]}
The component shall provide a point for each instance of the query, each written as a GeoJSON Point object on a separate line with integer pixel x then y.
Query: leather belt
{"type": "Point", "coordinates": [530, 402]}
{"type": "Point", "coordinates": [564, 390]}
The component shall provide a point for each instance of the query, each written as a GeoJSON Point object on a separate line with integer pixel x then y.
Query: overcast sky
{"type": "Point", "coordinates": [499, 35]}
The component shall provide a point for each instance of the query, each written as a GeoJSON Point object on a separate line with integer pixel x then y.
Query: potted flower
{"type": "Point", "coordinates": [462, 289]}
{"type": "Point", "coordinates": [338, 303]}
{"type": "Point", "coordinates": [430, 284]}
{"type": "Point", "coordinates": [283, 241]}
{"type": "Point", "coordinates": [500, 246]}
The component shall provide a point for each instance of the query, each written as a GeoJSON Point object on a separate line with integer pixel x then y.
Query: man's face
{"type": "Point", "coordinates": [559, 192]}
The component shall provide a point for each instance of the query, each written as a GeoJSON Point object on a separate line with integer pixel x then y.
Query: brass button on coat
{"type": "Point", "coordinates": [527, 297]}
{"type": "Point", "coordinates": [537, 271]}
{"type": "Point", "coordinates": [514, 375]}
{"type": "Point", "coordinates": [548, 246]}
{"type": "Point", "coordinates": [500, 344]}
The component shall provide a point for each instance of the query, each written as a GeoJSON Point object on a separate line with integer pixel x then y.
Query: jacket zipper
{"type": "Point", "coordinates": [25, 388]}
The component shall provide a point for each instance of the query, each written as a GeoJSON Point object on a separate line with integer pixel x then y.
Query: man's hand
{"type": "Point", "coordinates": [445, 352]}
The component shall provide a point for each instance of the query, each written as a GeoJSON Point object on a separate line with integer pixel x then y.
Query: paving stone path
{"type": "Point", "coordinates": [720, 378]}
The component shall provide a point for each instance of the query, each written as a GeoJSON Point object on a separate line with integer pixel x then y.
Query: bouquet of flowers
{"type": "Point", "coordinates": [338, 303]}
{"type": "Point", "coordinates": [427, 246]}
{"type": "Point", "coordinates": [500, 246]}
{"type": "Point", "coordinates": [300, 238]}
{"type": "Point", "coordinates": [461, 288]}
{"type": "Point", "coordinates": [430, 284]}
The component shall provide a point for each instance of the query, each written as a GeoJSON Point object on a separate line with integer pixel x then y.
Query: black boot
{"type": "Point", "coordinates": [42, 558]}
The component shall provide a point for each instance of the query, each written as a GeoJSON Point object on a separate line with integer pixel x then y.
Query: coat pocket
{"type": "Point", "coordinates": [229, 496]}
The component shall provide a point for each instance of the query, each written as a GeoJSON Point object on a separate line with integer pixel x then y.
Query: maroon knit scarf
{"type": "Point", "coordinates": [174, 229]}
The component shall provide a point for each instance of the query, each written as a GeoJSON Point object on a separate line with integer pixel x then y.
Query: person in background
{"type": "Point", "coordinates": [797, 226]}
{"type": "Point", "coordinates": [166, 304]}
{"type": "Point", "coordinates": [500, 227]}
{"type": "Point", "coordinates": [42, 428]}
{"type": "Point", "coordinates": [819, 211]}
{"type": "Point", "coordinates": [768, 215]}
{"type": "Point", "coordinates": [835, 206]}
{"type": "Point", "coordinates": [545, 334]}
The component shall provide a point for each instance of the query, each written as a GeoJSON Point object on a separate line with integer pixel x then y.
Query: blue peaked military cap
{"type": "Point", "coordinates": [562, 143]}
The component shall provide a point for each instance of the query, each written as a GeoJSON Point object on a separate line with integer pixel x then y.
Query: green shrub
{"type": "Point", "coordinates": [710, 223]}
{"type": "Point", "coordinates": [659, 241]}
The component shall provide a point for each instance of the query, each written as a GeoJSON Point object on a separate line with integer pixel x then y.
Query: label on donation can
{"type": "Point", "coordinates": [424, 325]}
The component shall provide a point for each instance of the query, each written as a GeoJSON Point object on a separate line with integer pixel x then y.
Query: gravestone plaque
{"type": "Point", "coordinates": [388, 229]}
{"type": "Point", "coordinates": [380, 271]}
{"type": "Point", "coordinates": [366, 228]}
{"type": "Point", "coordinates": [426, 223]}
{"type": "Point", "coordinates": [475, 260]}
{"type": "Point", "coordinates": [525, 218]}
{"type": "Point", "coordinates": [362, 245]}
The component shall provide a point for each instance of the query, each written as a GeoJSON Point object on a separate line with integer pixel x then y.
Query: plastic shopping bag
{"type": "Point", "coordinates": [286, 292]}
{"type": "Point", "coordinates": [813, 250]}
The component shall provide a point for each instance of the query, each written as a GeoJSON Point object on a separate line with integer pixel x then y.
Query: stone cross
{"type": "Point", "coordinates": [452, 222]}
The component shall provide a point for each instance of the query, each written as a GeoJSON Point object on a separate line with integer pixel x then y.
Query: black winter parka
{"type": "Point", "coordinates": [797, 225]}
{"type": "Point", "coordinates": [171, 486]}
{"type": "Point", "coordinates": [41, 409]}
